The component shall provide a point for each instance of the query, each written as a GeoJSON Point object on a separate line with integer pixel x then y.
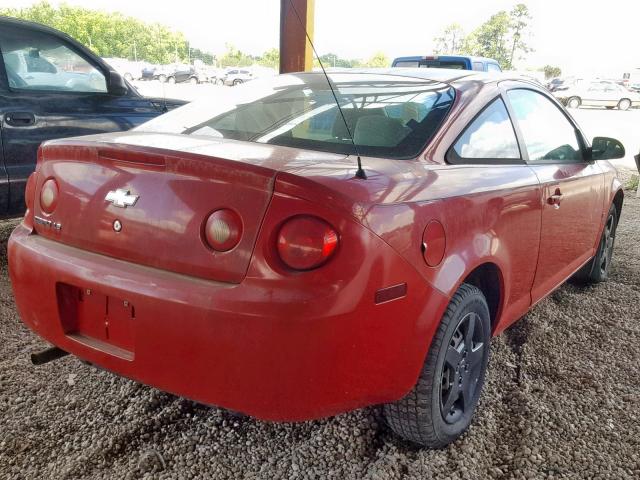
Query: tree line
{"type": "Point", "coordinates": [119, 36]}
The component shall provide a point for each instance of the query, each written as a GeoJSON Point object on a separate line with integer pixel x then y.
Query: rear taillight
{"type": "Point", "coordinates": [306, 242]}
{"type": "Point", "coordinates": [223, 230]}
{"type": "Point", "coordinates": [49, 195]}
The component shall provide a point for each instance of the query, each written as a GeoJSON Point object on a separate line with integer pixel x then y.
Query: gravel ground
{"type": "Point", "coordinates": [562, 401]}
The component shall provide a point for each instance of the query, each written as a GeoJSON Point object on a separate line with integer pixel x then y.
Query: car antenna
{"type": "Point", "coordinates": [360, 173]}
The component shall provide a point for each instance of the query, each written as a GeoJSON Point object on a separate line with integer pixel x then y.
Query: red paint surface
{"type": "Point", "coordinates": [241, 329]}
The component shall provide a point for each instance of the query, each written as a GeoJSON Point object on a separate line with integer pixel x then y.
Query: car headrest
{"type": "Point", "coordinates": [379, 131]}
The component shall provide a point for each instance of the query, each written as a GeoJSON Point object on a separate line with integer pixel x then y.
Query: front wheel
{"type": "Point", "coordinates": [624, 104]}
{"type": "Point", "coordinates": [440, 406]}
{"type": "Point", "coordinates": [193, 81]}
{"type": "Point", "coordinates": [171, 80]}
{"type": "Point", "coordinates": [598, 268]}
{"type": "Point", "coordinates": [237, 81]}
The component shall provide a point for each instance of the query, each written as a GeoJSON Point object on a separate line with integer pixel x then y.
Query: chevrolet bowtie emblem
{"type": "Point", "coordinates": [121, 198]}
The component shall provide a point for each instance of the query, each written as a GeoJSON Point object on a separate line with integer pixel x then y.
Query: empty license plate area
{"type": "Point", "coordinates": [100, 321]}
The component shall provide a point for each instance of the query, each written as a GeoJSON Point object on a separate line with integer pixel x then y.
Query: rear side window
{"type": "Point", "coordinates": [489, 138]}
{"type": "Point", "coordinates": [492, 67]}
{"type": "Point", "coordinates": [35, 60]}
{"type": "Point", "coordinates": [548, 134]}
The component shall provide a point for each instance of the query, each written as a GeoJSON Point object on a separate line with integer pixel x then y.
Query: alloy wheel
{"type": "Point", "coordinates": [462, 369]}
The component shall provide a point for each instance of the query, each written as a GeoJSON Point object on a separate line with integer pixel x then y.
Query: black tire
{"type": "Point", "coordinates": [436, 411]}
{"type": "Point", "coordinates": [171, 80]}
{"type": "Point", "coordinates": [128, 76]}
{"type": "Point", "coordinates": [574, 102]}
{"type": "Point", "coordinates": [193, 81]}
{"type": "Point", "coordinates": [598, 268]}
{"type": "Point", "coordinates": [624, 104]}
{"type": "Point", "coordinates": [162, 78]}
{"type": "Point", "coordinates": [237, 81]}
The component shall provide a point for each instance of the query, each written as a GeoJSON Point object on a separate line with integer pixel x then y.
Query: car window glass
{"type": "Point", "coordinates": [489, 136]}
{"type": "Point", "coordinates": [38, 61]}
{"type": "Point", "coordinates": [492, 67]}
{"type": "Point", "coordinates": [409, 63]}
{"type": "Point", "coordinates": [479, 66]}
{"type": "Point", "coordinates": [387, 116]}
{"type": "Point", "coordinates": [548, 134]}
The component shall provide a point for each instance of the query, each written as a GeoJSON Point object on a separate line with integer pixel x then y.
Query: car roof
{"type": "Point", "coordinates": [445, 57]}
{"type": "Point", "coordinates": [454, 77]}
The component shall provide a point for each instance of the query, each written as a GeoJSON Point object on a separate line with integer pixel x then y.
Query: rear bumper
{"type": "Point", "coordinates": [256, 347]}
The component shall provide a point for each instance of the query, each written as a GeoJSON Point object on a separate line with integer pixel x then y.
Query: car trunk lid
{"type": "Point", "coordinates": [177, 190]}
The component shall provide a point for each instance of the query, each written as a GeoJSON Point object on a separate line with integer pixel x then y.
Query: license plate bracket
{"type": "Point", "coordinates": [102, 321]}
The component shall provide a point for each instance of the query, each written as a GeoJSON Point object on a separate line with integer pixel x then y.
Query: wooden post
{"type": "Point", "coordinates": [296, 54]}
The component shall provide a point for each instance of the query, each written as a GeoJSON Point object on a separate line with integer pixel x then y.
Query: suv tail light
{"type": "Point", "coordinates": [306, 242]}
{"type": "Point", "coordinates": [49, 195]}
{"type": "Point", "coordinates": [223, 230]}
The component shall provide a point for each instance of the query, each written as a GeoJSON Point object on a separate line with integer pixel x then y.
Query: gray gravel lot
{"type": "Point", "coordinates": [562, 401]}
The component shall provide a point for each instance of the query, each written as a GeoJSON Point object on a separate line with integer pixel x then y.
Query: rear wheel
{"type": "Point", "coordinates": [237, 81]}
{"type": "Point", "coordinates": [171, 80]}
{"type": "Point", "coordinates": [193, 81]}
{"type": "Point", "coordinates": [598, 268]}
{"type": "Point", "coordinates": [128, 76]}
{"type": "Point", "coordinates": [624, 104]}
{"type": "Point", "coordinates": [574, 102]}
{"type": "Point", "coordinates": [162, 78]}
{"type": "Point", "coordinates": [440, 406]}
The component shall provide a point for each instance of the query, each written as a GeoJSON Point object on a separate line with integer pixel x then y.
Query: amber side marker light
{"type": "Point", "coordinates": [223, 230]}
{"type": "Point", "coordinates": [49, 195]}
{"type": "Point", "coordinates": [306, 242]}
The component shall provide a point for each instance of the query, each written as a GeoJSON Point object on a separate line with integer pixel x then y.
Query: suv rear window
{"type": "Point", "coordinates": [388, 116]}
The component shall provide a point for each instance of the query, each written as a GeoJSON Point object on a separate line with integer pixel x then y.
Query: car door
{"type": "Point", "coordinates": [572, 188]}
{"type": "Point", "coordinates": [50, 88]}
{"type": "Point", "coordinates": [595, 95]}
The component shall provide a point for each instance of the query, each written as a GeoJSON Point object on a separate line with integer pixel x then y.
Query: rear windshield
{"type": "Point", "coordinates": [453, 64]}
{"type": "Point", "coordinates": [388, 115]}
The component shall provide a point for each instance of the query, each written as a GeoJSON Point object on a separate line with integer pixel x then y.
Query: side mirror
{"type": "Point", "coordinates": [605, 148]}
{"type": "Point", "coordinates": [117, 85]}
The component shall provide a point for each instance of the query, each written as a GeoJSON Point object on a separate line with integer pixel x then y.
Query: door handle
{"type": "Point", "coordinates": [20, 119]}
{"type": "Point", "coordinates": [555, 199]}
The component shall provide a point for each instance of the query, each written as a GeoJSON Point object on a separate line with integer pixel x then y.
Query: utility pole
{"type": "Point", "coordinates": [135, 52]}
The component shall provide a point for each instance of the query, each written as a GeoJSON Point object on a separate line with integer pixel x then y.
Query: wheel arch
{"type": "Point", "coordinates": [618, 199]}
{"type": "Point", "coordinates": [489, 279]}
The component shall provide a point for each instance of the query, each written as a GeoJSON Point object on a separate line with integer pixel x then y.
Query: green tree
{"type": "Point", "coordinates": [551, 71]}
{"type": "Point", "coordinates": [378, 60]}
{"type": "Point", "coordinates": [112, 34]}
{"type": "Point", "coordinates": [491, 39]}
{"type": "Point", "coordinates": [451, 40]}
{"type": "Point", "coordinates": [520, 18]}
{"type": "Point", "coordinates": [234, 57]}
{"type": "Point", "coordinates": [270, 58]}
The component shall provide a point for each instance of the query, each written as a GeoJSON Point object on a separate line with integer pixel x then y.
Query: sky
{"type": "Point", "coordinates": [579, 36]}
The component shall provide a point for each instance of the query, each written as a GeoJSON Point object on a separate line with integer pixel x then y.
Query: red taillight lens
{"type": "Point", "coordinates": [306, 242]}
{"type": "Point", "coordinates": [49, 196]}
{"type": "Point", "coordinates": [223, 230]}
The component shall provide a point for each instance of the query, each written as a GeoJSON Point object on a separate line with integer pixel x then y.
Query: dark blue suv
{"type": "Point", "coordinates": [52, 87]}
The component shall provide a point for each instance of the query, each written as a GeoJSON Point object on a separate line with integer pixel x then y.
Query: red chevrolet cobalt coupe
{"type": "Point", "coordinates": [232, 252]}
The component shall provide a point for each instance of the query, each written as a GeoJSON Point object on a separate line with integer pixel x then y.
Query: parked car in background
{"type": "Point", "coordinates": [53, 87]}
{"type": "Point", "coordinates": [177, 73]}
{"type": "Point", "coordinates": [458, 62]}
{"type": "Point", "coordinates": [129, 69]}
{"type": "Point", "coordinates": [263, 251]}
{"type": "Point", "coordinates": [236, 76]}
{"type": "Point", "coordinates": [598, 94]}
